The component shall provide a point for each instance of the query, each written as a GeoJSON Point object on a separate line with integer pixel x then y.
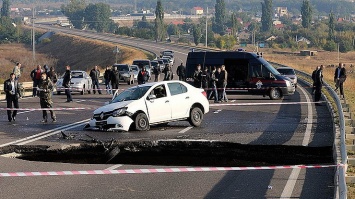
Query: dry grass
{"type": "Point", "coordinates": [84, 54]}
{"type": "Point", "coordinates": [308, 64]}
{"type": "Point", "coordinates": [12, 53]}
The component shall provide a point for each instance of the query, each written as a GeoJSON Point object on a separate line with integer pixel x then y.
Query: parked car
{"type": "Point", "coordinates": [171, 59]}
{"type": "Point", "coordinates": [128, 73]}
{"type": "Point", "coordinates": [149, 104]}
{"type": "Point", "coordinates": [167, 52]}
{"type": "Point", "coordinates": [165, 61]}
{"type": "Point", "coordinates": [80, 82]}
{"type": "Point", "coordinates": [288, 72]}
{"type": "Point", "coordinates": [142, 62]}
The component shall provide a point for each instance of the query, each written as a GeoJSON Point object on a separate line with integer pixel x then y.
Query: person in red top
{"type": "Point", "coordinates": [142, 76]}
{"type": "Point", "coordinates": [36, 78]}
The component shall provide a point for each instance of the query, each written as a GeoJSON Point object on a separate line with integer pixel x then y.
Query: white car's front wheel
{"type": "Point", "coordinates": [196, 116]}
{"type": "Point", "coordinates": [141, 122]}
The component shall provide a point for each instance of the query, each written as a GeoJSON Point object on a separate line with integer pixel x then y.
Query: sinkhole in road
{"type": "Point", "coordinates": [174, 153]}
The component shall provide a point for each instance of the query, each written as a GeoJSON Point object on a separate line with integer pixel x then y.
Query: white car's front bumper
{"type": "Point", "coordinates": [121, 123]}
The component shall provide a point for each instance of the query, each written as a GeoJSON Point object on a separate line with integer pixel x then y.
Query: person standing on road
{"type": "Point", "coordinates": [45, 88]}
{"type": "Point", "coordinates": [66, 83]}
{"type": "Point", "coordinates": [95, 75]}
{"type": "Point", "coordinates": [213, 85]}
{"type": "Point", "coordinates": [181, 72]}
{"type": "Point", "coordinates": [157, 72]}
{"type": "Point", "coordinates": [167, 72]}
{"type": "Point", "coordinates": [198, 76]}
{"type": "Point", "coordinates": [205, 79]}
{"type": "Point", "coordinates": [52, 75]}
{"type": "Point", "coordinates": [318, 85]}
{"type": "Point", "coordinates": [314, 79]}
{"type": "Point", "coordinates": [143, 76]}
{"type": "Point", "coordinates": [339, 79]}
{"type": "Point", "coordinates": [17, 71]}
{"type": "Point", "coordinates": [223, 78]}
{"type": "Point", "coordinates": [115, 79]}
{"type": "Point", "coordinates": [36, 78]}
{"type": "Point", "coordinates": [107, 79]}
{"type": "Point", "coordinates": [12, 91]}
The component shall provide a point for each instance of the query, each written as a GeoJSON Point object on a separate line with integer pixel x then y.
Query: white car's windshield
{"type": "Point", "coordinates": [134, 93]}
{"type": "Point", "coordinates": [77, 75]}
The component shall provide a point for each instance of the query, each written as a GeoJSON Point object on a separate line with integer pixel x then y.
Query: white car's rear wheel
{"type": "Point", "coordinates": [141, 122]}
{"type": "Point", "coordinates": [196, 116]}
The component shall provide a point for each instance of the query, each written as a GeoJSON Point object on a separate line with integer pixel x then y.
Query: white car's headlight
{"type": "Point", "coordinates": [119, 112]}
{"type": "Point", "coordinates": [288, 83]}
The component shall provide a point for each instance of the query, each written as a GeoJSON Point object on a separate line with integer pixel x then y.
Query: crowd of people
{"type": "Point", "coordinates": [339, 79]}
{"type": "Point", "coordinates": [214, 82]}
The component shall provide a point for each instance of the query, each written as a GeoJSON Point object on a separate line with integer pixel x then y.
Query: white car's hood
{"type": "Point", "coordinates": [113, 106]}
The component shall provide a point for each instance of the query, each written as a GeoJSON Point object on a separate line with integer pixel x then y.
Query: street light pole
{"type": "Point", "coordinates": [33, 37]}
{"type": "Point", "coordinates": [206, 27]}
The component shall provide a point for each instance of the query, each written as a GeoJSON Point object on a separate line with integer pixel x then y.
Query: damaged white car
{"type": "Point", "coordinates": [152, 103]}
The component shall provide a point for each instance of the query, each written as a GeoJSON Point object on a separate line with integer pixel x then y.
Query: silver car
{"type": "Point", "coordinates": [290, 73]}
{"type": "Point", "coordinates": [80, 82]}
{"type": "Point", "coordinates": [128, 73]}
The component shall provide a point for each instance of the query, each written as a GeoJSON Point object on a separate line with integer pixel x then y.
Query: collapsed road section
{"type": "Point", "coordinates": [173, 153]}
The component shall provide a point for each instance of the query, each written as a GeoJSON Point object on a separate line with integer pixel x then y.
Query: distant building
{"type": "Point", "coordinates": [281, 11]}
{"type": "Point", "coordinates": [197, 11]}
{"type": "Point", "coordinates": [302, 39]}
{"type": "Point", "coordinates": [279, 26]}
{"type": "Point", "coordinates": [272, 38]}
{"type": "Point", "coordinates": [244, 36]}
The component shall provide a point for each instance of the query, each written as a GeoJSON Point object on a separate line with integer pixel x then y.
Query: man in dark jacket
{"type": "Point", "coordinates": [142, 76]}
{"type": "Point", "coordinates": [181, 72]}
{"type": "Point", "coordinates": [12, 91]}
{"type": "Point", "coordinates": [318, 85]}
{"type": "Point", "coordinates": [45, 88]}
{"type": "Point", "coordinates": [339, 79]}
{"type": "Point", "coordinates": [198, 76]}
{"type": "Point", "coordinates": [66, 83]}
{"type": "Point", "coordinates": [205, 78]}
{"type": "Point", "coordinates": [107, 79]}
{"type": "Point", "coordinates": [213, 85]}
{"type": "Point", "coordinates": [115, 78]}
{"type": "Point", "coordinates": [314, 79]}
{"type": "Point", "coordinates": [95, 74]}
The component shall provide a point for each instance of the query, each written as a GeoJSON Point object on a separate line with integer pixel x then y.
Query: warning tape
{"type": "Point", "coordinates": [266, 103]}
{"type": "Point", "coordinates": [160, 170]}
{"type": "Point", "coordinates": [43, 109]}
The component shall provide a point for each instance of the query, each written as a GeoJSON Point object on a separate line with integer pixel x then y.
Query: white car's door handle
{"type": "Point", "coordinates": [187, 97]}
{"type": "Point", "coordinates": [166, 101]}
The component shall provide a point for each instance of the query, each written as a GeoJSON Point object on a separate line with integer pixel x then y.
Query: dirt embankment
{"type": "Point", "coordinates": [84, 54]}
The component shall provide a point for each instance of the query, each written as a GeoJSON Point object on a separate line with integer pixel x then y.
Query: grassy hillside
{"type": "Point", "coordinates": [84, 54]}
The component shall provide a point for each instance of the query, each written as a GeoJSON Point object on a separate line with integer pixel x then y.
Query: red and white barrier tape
{"type": "Point", "coordinates": [265, 103]}
{"type": "Point", "coordinates": [42, 109]}
{"type": "Point", "coordinates": [162, 170]}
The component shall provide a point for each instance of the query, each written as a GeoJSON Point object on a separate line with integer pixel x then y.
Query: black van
{"type": "Point", "coordinates": [247, 72]}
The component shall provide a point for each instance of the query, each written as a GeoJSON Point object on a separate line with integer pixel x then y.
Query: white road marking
{"type": "Point", "coordinates": [114, 167]}
{"type": "Point", "coordinates": [44, 134]}
{"type": "Point", "coordinates": [292, 179]}
{"type": "Point", "coordinates": [24, 112]}
{"type": "Point", "coordinates": [185, 129]}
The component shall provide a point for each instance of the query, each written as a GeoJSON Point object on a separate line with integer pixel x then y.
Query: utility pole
{"type": "Point", "coordinates": [206, 27]}
{"type": "Point", "coordinates": [33, 37]}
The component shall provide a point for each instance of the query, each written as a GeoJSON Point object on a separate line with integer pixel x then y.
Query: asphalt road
{"type": "Point", "coordinates": [248, 120]}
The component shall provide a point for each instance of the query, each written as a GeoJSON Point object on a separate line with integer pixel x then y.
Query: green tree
{"type": "Point", "coordinates": [5, 10]}
{"type": "Point", "coordinates": [220, 17]}
{"type": "Point", "coordinates": [196, 34]}
{"type": "Point", "coordinates": [331, 25]}
{"type": "Point", "coordinates": [97, 16]}
{"type": "Point", "coordinates": [306, 12]}
{"type": "Point", "coordinates": [266, 15]}
{"type": "Point", "coordinates": [173, 29]}
{"type": "Point", "coordinates": [159, 21]}
{"type": "Point", "coordinates": [234, 24]}
{"type": "Point", "coordinates": [75, 11]}
{"type": "Point", "coordinates": [7, 30]}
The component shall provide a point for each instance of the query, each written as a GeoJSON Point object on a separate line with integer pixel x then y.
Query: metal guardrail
{"type": "Point", "coordinates": [340, 179]}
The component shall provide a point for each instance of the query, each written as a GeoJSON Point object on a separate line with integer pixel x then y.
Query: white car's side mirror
{"type": "Point", "coordinates": [151, 97]}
